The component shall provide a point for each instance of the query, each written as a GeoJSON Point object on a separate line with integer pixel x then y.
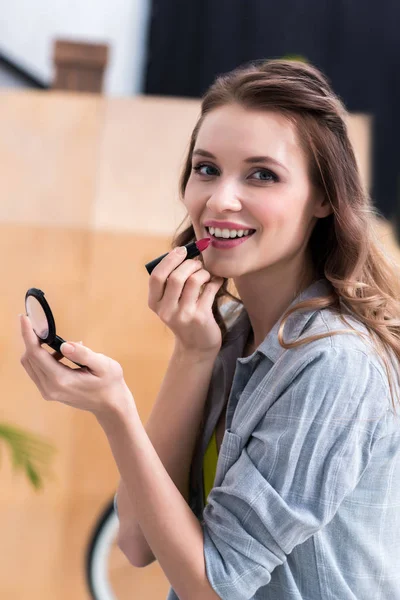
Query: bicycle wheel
{"type": "Point", "coordinates": [102, 545]}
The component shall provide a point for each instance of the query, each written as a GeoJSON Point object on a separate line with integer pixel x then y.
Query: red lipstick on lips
{"type": "Point", "coordinates": [192, 250]}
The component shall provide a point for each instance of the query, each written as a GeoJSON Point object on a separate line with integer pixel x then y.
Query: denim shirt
{"type": "Point", "coordinates": [306, 497]}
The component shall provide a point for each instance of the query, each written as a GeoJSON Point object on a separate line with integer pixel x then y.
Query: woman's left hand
{"type": "Point", "coordinates": [99, 388]}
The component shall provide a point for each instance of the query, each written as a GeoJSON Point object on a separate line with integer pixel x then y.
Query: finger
{"type": "Point", "coordinates": [193, 289]}
{"type": "Point", "coordinates": [210, 290]}
{"type": "Point", "coordinates": [40, 378]}
{"type": "Point", "coordinates": [47, 385]}
{"type": "Point", "coordinates": [33, 375]}
{"type": "Point", "coordinates": [97, 363]}
{"type": "Point", "coordinates": [39, 358]}
{"type": "Point", "coordinates": [30, 338]}
{"type": "Point", "coordinates": [160, 275]}
{"type": "Point", "coordinates": [59, 355]}
{"type": "Point", "coordinates": [179, 279]}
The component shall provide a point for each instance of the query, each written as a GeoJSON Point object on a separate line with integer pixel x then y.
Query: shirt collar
{"type": "Point", "coordinates": [236, 337]}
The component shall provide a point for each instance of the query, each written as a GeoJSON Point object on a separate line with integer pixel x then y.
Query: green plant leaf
{"type": "Point", "coordinates": [29, 452]}
{"type": "Point", "coordinates": [34, 476]}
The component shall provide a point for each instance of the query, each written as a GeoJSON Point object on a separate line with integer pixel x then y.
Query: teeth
{"type": "Point", "coordinates": [228, 233]}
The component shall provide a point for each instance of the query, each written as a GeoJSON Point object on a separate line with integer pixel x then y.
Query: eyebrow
{"type": "Point", "coordinates": [250, 160]}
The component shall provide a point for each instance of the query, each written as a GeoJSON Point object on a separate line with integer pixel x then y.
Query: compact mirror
{"type": "Point", "coordinates": [42, 320]}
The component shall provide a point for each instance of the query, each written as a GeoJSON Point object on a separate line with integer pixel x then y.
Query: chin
{"type": "Point", "coordinates": [231, 274]}
{"type": "Point", "coordinates": [228, 271]}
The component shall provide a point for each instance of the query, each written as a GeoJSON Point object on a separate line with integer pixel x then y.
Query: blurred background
{"type": "Point", "coordinates": [97, 103]}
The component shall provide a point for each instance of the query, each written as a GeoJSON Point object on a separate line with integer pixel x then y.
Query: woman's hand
{"type": "Point", "coordinates": [99, 388]}
{"type": "Point", "coordinates": [181, 293]}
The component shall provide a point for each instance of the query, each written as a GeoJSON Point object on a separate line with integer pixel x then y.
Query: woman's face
{"type": "Point", "coordinates": [248, 168]}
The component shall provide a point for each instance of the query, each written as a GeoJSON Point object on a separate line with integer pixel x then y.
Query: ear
{"type": "Point", "coordinates": [322, 207]}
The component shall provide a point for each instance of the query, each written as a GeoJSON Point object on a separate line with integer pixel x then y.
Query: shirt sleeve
{"type": "Point", "coordinates": [116, 505]}
{"type": "Point", "coordinates": [304, 457]}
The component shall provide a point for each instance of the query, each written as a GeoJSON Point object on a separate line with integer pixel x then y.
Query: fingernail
{"type": "Point", "coordinates": [181, 250]}
{"type": "Point", "coordinates": [67, 348]}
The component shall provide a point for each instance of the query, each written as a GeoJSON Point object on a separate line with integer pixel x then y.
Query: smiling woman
{"type": "Point", "coordinates": [297, 495]}
{"type": "Point", "coordinates": [271, 153]}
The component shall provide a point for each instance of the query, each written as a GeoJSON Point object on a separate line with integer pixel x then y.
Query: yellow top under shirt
{"type": "Point", "coordinates": [210, 466]}
{"type": "Point", "coordinates": [211, 454]}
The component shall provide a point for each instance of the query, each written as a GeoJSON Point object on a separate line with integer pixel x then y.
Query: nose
{"type": "Point", "coordinates": [224, 196]}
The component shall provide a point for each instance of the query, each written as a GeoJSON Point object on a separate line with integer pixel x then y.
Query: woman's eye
{"type": "Point", "coordinates": [204, 169]}
{"type": "Point", "coordinates": [209, 171]}
{"type": "Point", "coordinates": [265, 175]}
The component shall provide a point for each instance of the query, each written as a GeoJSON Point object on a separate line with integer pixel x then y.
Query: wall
{"type": "Point", "coordinates": [27, 31]}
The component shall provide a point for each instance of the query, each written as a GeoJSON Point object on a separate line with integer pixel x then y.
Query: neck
{"type": "Point", "coordinates": [267, 300]}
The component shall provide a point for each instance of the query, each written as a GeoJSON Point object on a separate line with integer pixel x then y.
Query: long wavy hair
{"type": "Point", "coordinates": [344, 246]}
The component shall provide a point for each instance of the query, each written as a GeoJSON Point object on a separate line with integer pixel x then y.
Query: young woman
{"type": "Point", "coordinates": [270, 465]}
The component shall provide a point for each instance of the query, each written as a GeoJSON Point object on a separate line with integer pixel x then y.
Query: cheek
{"type": "Point", "coordinates": [188, 195]}
{"type": "Point", "coordinates": [195, 191]}
{"type": "Point", "coordinates": [192, 201]}
{"type": "Point", "coordinates": [289, 206]}
{"type": "Point", "coordinates": [271, 215]}
{"type": "Point", "coordinates": [281, 217]}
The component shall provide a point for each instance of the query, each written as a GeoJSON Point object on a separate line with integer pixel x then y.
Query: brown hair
{"type": "Point", "coordinates": [344, 247]}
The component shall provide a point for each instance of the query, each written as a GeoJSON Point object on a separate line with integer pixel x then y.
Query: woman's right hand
{"type": "Point", "coordinates": [175, 295]}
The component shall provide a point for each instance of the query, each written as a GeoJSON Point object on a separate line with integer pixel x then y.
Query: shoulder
{"type": "Point", "coordinates": [342, 349]}
{"type": "Point", "coordinates": [339, 386]}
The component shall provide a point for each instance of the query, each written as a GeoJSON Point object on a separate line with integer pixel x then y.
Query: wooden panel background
{"type": "Point", "coordinates": [89, 194]}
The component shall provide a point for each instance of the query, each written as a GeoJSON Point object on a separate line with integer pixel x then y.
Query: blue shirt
{"type": "Point", "coordinates": [306, 498]}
